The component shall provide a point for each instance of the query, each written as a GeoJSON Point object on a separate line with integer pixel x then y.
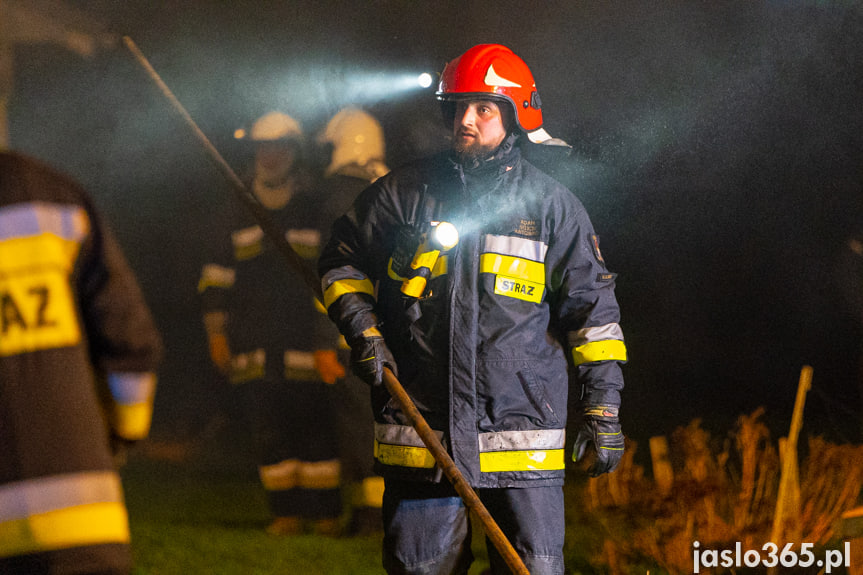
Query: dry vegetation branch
{"type": "Point", "coordinates": [724, 491]}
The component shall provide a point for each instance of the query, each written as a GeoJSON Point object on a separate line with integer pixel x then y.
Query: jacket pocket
{"type": "Point", "coordinates": [512, 396]}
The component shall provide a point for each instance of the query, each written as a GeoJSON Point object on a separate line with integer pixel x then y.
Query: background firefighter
{"type": "Point", "coordinates": [484, 341]}
{"type": "Point", "coordinates": [353, 144]}
{"type": "Point", "coordinates": [78, 356]}
{"type": "Point", "coordinates": [265, 333]}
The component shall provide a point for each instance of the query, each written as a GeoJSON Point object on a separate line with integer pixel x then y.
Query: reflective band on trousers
{"type": "Point", "coordinates": [538, 449]}
{"type": "Point", "coordinates": [293, 473]}
{"type": "Point", "coordinates": [62, 511]}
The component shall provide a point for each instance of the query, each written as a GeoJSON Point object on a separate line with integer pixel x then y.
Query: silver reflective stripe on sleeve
{"type": "Point", "coordinates": [590, 334]}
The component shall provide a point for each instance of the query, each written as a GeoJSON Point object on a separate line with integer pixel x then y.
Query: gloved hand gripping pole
{"type": "Point", "coordinates": [394, 387]}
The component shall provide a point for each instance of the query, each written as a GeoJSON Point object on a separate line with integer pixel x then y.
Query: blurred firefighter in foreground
{"type": "Point", "coordinates": [353, 142]}
{"type": "Point", "coordinates": [266, 335]}
{"type": "Point", "coordinates": [478, 280]}
{"type": "Point", "coordinates": [78, 356]}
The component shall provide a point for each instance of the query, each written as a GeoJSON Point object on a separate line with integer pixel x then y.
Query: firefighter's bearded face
{"type": "Point", "coordinates": [274, 161]}
{"type": "Point", "coordinates": [479, 128]}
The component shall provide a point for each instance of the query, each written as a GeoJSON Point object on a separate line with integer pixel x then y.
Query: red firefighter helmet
{"type": "Point", "coordinates": [494, 71]}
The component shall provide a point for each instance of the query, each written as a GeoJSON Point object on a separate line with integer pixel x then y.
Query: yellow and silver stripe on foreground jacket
{"type": "Point", "coordinates": [71, 510]}
{"type": "Point", "coordinates": [538, 449]}
{"type": "Point", "coordinates": [601, 343]}
{"type": "Point", "coordinates": [518, 265]}
{"type": "Point", "coordinates": [344, 280]}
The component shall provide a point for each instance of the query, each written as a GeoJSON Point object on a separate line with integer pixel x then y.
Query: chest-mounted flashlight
{"type": "Point", "coordinates": [425, 247]}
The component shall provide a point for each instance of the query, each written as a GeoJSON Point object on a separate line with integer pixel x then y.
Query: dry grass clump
{"type": "Point", "coordinates": [723, 492]}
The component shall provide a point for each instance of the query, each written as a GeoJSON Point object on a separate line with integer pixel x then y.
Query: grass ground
{"type": "Point", "coordinates": [197, 507]}
{"type": "Point", "coordinates": [200, 516]}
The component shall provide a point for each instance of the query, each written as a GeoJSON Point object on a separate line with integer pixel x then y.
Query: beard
{"type": "Point", "coordinates": [472, 153]}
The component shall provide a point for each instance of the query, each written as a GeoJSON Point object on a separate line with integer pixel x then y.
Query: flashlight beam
{"type": "Point", "coordinates": [395, 388]}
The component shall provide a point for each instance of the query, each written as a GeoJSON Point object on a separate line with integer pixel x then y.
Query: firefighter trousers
{"type": "Point", "coordinates": [427, 528]}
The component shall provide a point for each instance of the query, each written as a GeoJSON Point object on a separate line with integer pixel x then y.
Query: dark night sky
{"type": "Point", "coordinates": [717, 147]}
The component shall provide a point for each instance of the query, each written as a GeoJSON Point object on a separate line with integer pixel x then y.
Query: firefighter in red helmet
{"type": "Point", "coordinates": [487, 331]}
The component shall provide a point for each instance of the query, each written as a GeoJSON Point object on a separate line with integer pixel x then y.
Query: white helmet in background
{"type": "Point", "coordinates": [357, 138]}
{"type": "Point", "coordinates": [270, 127]}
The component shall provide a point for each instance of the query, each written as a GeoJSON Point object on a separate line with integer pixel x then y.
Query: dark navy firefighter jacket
{"type": "Point", "coordinates": [485, 351]}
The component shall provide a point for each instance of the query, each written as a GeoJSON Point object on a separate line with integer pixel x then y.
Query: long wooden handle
{"type": "Point", "coordinates": [448, 466]}
{"type": "Point", "coordinates": [298, 265]}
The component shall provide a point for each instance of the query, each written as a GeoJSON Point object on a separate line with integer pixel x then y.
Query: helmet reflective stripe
{"type": "Point", "coordinates": [492, 79]}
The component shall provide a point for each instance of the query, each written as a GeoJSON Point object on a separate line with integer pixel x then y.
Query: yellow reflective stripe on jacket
{"type": "Point", "coordinates": [498, 461]}
{"type": "Point", "coordinates": [62, 511]}
{"type": "Point", "coordinates": [341, 287]}
{"type": "Point", "coordinates": [599, 343]}
{"type": "Point", "coordinates": [401, 445]}
{"type": "Point", "coordinates": [132, 412]}
{"type": "Point", "coordinates": [39, 244]}
{"type": "Point", "coordinates": [608, 350]}
{"type": "Point", "coordinates": [513, 267]}
{"type": "Point", "coordinates": [404, 455]}
{"type": "Point", "coordinates": [536, 449]}
{"type": "Point", "coordinates": [91, 524]}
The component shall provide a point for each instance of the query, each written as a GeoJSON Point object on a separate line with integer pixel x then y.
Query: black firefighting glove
{"type": "Point", "coordinates": [369, 355]}
{"type": "Point", "coordinates": [600, 426]}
